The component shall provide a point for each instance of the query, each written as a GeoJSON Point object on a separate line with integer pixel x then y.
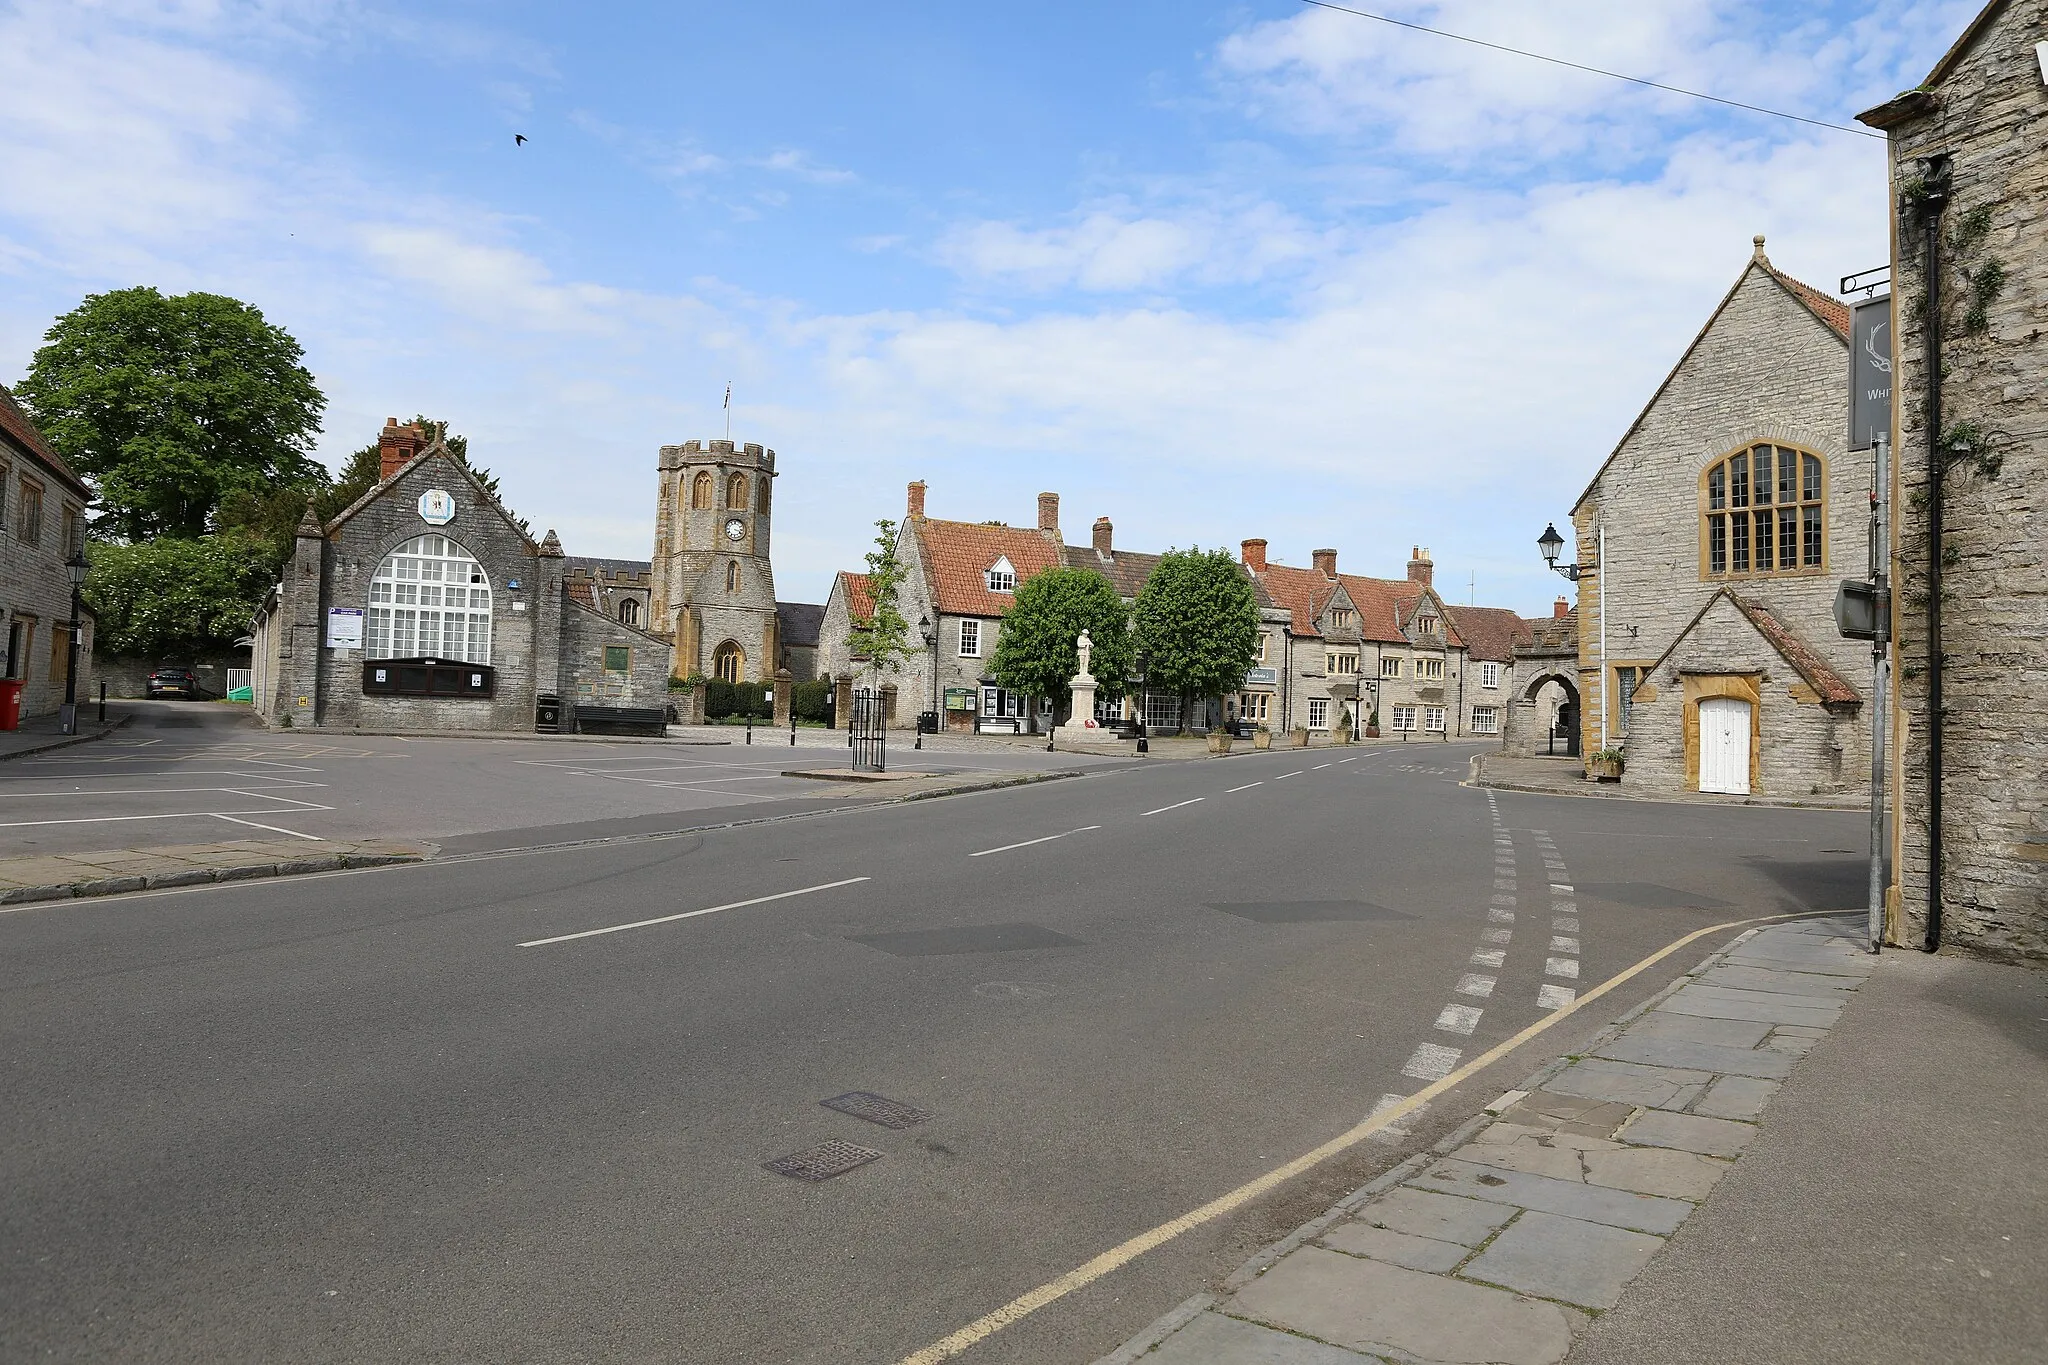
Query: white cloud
{"type": "Point", "coordinates": [1115, 247]}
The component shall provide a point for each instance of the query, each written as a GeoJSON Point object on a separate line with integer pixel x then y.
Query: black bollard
{"type": "Point", "coordinates": [103, 703]}
{"type": "Point", "coordinates": [750, 727]}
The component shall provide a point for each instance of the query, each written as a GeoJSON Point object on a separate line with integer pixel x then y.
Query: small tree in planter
{"type": "Point", "coordinates": [1609, 763]}
{"type": "Point", "coordinates": [1262, 738]}
{"type": "Point", "coordinates": [1372, 726]}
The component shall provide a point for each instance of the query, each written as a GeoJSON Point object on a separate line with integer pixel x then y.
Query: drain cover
{"type": "Point", "coordinates": [823, 1161]}
{"type": "Point", "coordinates": [879, 1109]}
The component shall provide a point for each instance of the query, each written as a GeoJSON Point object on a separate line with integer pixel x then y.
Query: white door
{"type": "Point", "coordinates": [1724, 746]}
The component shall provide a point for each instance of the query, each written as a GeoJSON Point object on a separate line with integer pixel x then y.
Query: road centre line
{"type": "Point", "coordinates": [692, 914]}
{"type": "Point", "coordinates": [1029, 842]}
{"type": "Point", "coordinates": [1246, 787]}
{"type": "Point", "coordinates": [1319, 767]}
{"type": "Point", "coordinates": [1175, 806]}
{"type": "Point", "coordinates": [274, 829]}
{"type": "Point", "coordinates": [1129, 1250]}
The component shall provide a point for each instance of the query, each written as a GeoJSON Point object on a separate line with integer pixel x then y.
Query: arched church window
{"type": "Point", "coordinates": [429, 599]}
{"type": "Point", "coordinates": [700, 491]}
{"type": "Point", "coordinates": [728, 663]}
{"type": "Point", "coordinates": [732, 576]}
{"type": "Point", "coordinates": [629, 611]}
{"type": "Point", "coordinates": [736, 491]}
{"type": "Point", "coordinates": [1763, 511]}
{"type": "Point", "coordinates": [761, 497]}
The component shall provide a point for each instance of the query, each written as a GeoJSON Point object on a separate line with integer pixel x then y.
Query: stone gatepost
{"type": "Point", "coordinates": [888, 703]}
{"type": "Point", "coordinates": [782, 685]}
{"type": "Point", "coordinates": [693, 705]}
{"type": "Point", "coordinates": [842, 701]}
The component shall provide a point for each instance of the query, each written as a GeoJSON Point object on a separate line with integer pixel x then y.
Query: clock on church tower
{"type": "Point", "coordinates": [714, 590]}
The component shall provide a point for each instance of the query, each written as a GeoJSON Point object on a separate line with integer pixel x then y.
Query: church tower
{"type": "Point", "coordinates": [714, 593]}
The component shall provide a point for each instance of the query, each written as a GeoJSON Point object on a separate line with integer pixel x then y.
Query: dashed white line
{"type": "Point", "coordinates": [1246, 787]}
{"type": "Point", "coordinates": [1568, 924]}
{"type": "Point", "coordinates": [1319, 767]}
{"type": "Point", "coordinates": [1472, 983]}
{"type": "Point", "coordinates": [1500, 914]}
{"type": "Point", "coordinates": [1555, 997]}
{"type": "Point", "coordinates": [1563, 943]}
{"type": "Point", "coordinates": [1488, 957]}
{"type": "Point", "coordinates": [1566, 967]}
{"type": "Point", "coordinates": [1497, 935]}
{"type": "Point", "coordinates": [1029, 842]}
{"type": "Point", "coordinates": [1458, 1018]}
{"type": "Point", "coordinates": [1432, 1062]}
{"type": "Point", "coordinates": [1175, 806]}
{"type": "Point", "coordinates": [692, 914]}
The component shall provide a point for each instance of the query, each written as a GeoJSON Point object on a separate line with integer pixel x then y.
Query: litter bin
{"type": "Point", "coordinates": [10, 703]}
{"type": "Point", "coordinates": [927, 722]}
{"type": "Point", "coordinates": [547, 714]}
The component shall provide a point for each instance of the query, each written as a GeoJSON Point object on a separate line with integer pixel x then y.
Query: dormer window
{"type": "Point", "coordinates": [1001, 576]}
{"type": "Point", "coordinates": [1426, 624]}
{"type": "Point", "coordinates": [1340, 618]}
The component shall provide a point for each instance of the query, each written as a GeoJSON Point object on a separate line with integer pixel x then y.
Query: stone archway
{"type": "Point", "coordinates": [1545, 716]}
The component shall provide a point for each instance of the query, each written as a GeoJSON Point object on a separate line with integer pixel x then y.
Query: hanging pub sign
{"type": "Point", "coordinates": [1870, 371]}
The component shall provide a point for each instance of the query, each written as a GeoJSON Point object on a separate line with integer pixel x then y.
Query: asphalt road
{"type": "Point", "coordinates": [351, 1118]}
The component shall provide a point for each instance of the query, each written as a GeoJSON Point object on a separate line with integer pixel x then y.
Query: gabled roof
{"type": "Point", "coordinates": [1829, 685]}
{"type": "Point", "coordinates": [1125, 570]}
{"type": "Point", "coordinates": [1301, 593]}
{"type": "Point", "coordinates": [1920, 99]}
{"type": "Point", "coordinates": [584, 593]}
{"type": "Point", "coordinates": [958, 553]}
{"type": "Point", "coordinates": [860, 597]}
{"type": "Point", "coordinates": [14, 422]}
{"type": "Point", "coordinates": [615, 623]}
{"type": "Point", "coordinates": [796, 623]}
{"type": "Point", "coordinates": [1553, 634]}
{"type": "Point", "coordinates": [440, 448]}
{"type": "Point", "coordinates": [1411, 606]}
{"type": "Point", "coordinates": [1490, 632]}
{"type": "Point", "coordinates": [1824, 308]}
{"type": "Point", "coordinates": [1378, 603]}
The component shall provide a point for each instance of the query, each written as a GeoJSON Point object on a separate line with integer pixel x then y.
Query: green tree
{"type": "Point", "coordinates": [1035, 652]}
{"type": "Point", "coordinates": [1197, 618]}
{"type": "Point", "coordinates": [174, 597]}
{"type": "Point", "coordinates": [884, 638]}
{"type": "Point", "coordinates": [168, 405]}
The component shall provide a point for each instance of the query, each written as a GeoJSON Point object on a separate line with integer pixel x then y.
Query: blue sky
{"type": "Point", "coordinates": [1211, 270]}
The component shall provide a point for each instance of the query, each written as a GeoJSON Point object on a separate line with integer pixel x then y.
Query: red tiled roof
{"type": "Point", "coordinates": [1826, 307]}
{"type": "Point", "coordinates": [860, 597]}
{"type": "Point", "coordinates": [1407, 607]}
{"type": "Point", "coordinates": [1490, 632]}
{"type": "Point", "coordinates": [1301, 593]}
{"type": "Point", "coordinates": [14, 422]}
{"type": "Point", "coordinates": [1819, 676]}
{"type": "Point", "coordinates": [957, 555]}
{"type": "Point", "coordinates": [583, 592]}
{"type": "Point", "coordinates": [1379, 618]}
{"type": "Point", "coordinates": [1125, 569]}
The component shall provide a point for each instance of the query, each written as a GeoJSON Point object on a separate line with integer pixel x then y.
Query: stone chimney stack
{"type": "Point", "coordinates": [915, 507]}
{"type": "Point", "coordinates": [1102, 538]}
{"type": "Point", "coordinates": [1560, 609]}
{"type": "Point", "coordinates": [1049, 514]}
{"type": "Point", "coordinates": [1325, 562]}
{"type": "Point", "coordinates": [396, 446]}
{"type": "Point", "coordinates": [1420, 570]}
{"type": "Point", "coordinates": [1253, 553]}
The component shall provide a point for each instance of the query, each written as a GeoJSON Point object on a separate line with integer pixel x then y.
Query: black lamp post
{"type": "Point", "coordinates": [1550, 542]}
{"type": "Point", "coordinates": [931, 642]}
{"type": "Point", "coordinates": [77, 568]}
{"type": "Point", "coordinates": [1144, 664]}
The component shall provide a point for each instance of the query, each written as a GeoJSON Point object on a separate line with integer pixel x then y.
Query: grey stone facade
{"type": "Point", "coordinates": [1983, 106]}
{"type": "Point", "coordinates": [589, 653]}
{"type": "Point", "coordinates": [1770, 366]}
{"type": "Point", "coordinates": [42, 521]}
{"type": "Point", "coordinates": [714, 588]}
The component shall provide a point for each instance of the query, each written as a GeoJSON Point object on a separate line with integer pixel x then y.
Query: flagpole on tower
{"type": "Point", "coordinates": [728, 410]}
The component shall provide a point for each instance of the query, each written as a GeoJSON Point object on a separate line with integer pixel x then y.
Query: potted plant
{"type": "Point", "coordinates": [1262, 738]}
{"type": "Point", "coordinates": [1372, 725]}
{"type": "Point", "coordinates": [1297, 738]}
{"type": "Point", "coordinates": [1341, 732]}
{"type": "Point", "coordinates": [1219, 740]}
{"type": "Point", "coordinates": [1609, 763]}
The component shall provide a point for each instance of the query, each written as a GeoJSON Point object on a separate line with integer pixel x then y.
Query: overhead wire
{"type": "Point", "coordinates": [1594, 70]}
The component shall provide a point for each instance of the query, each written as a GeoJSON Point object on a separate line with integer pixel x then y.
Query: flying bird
{"type": "Point", "coordinates": [518, 139]}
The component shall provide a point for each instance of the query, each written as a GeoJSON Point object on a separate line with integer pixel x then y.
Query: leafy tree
{"type": "Point", "coordinates": [1035, 653]}
{"type": "Point", "coordinates": [884, 638]}
{"type": "Point", "coordinates": [175, 597]}
{"type": "Point", "coordinates": [168, 405]}
{"type": "Point", "coordinates": [1198, 620]}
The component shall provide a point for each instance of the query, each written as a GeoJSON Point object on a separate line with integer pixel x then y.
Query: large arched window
{"type": "Point", "coordinates": [629, 611]}
{"type": "Point", "coordinates": [1763, 511]}
{"type": "Point", "coordinates": [729, 662]}
{"type": "Point", "coordinates": [736, 492]}
{"type": "Point", "coordinates": [430, 599]}
{"type": "Point", "coordinates": [700, 491]}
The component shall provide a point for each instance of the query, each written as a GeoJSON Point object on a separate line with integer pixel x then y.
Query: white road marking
{"type": "Point", "coordinates": [1488, 957]}
{"type": "Point", "coordinates": [1175, 806]}
{"type": "Point", "coordinates": [1500, 914]}
{"type": "Point", "coordinates": [1567, 967]}
{"type": "Point", "coordinates": [1352, 759]}
{"type": "Point", "coordinates": [1565, 923]}
{"type": "Point", "coordinates": [1319, 767]}
{"type": "Point", "coordinates": [1246, 787]}
{"type": "Point", "coordinates": [122, 819]}
{"type": "Point", "coordinates": [1432, 1062]}
{"type": "Point", "coordinates": [1555, 997]}
{"type": "Point", "coordinates": [1497, 935]}
{"type": "Point", "coordinates": [692, 914]}
{"type": "Point", "coordinates": [1559, 907]}
{"type": "Point", "coordinates": [1029, 842]}
{"type": "Point", "coordinates": [1560, 887]}
{"type": "Point", "coordinates": [1472, 983]}
{"type": "Point", "coordinates": [1284, 776]}
{"type": "Point", "coordinates": [274, 829]}
{"type": "Point", "coordinates": [1458, 1018]}
{"type": "Point", "coordinates": [1563, 943]}
{"type": "Point", "coordinates": [266, 796]}
{"type": "Point", "coordinates": [1395, 1133]}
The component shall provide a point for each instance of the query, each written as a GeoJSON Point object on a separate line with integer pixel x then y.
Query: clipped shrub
{"type": "Point", "coordinates": [810, 700]}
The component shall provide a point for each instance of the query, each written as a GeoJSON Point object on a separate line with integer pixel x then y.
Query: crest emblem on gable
{"type": "Point", "coordinates": [437, 507]}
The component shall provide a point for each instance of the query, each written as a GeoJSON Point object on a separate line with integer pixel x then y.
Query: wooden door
{"type": "Point", "coordinates": [1724, 745]}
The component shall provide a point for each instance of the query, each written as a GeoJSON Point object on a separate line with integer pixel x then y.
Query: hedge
{"type": "Point", "coordinates": [722, 699]}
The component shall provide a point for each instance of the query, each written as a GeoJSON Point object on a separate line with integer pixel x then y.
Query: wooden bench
{"type": "Point", "coordinates": [622, 720]}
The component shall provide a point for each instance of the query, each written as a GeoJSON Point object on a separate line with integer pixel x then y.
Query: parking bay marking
{"type": "Point", "coordinates": [1029, 842]}
{"type": "Point", "coordinates": [274, 829]}
{"type": "Point", "coordinates": [692, 914]}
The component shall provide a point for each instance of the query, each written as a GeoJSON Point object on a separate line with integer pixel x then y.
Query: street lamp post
{"type": "Point", "coordinates": [930, 637]}
{"type": "Point", "coordinates": [1144, 664]}
{"type": "Point", "coordinates": [77, 568]}
{"type": "Point", "coordinates": [1550, 542]}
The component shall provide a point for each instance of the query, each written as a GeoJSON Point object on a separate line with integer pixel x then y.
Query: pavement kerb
{"type": "Point", "coordinates": [1260, 1264]}
{"type": "Point", "coordinates": [66, 741]}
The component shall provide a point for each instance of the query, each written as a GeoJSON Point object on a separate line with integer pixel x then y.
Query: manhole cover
{"type": "Point", "coordinates": [1309, 912]}
{"type": "Point", "coordinates": [863, 1104]}
{"type": "Point", "coordinates": [967, 938]}
{"type": "Point", "coordinates": [823, 1161]}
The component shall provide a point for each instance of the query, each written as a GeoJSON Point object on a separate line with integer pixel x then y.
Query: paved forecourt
{"type": "Point", "coordinates": [524, 1104]}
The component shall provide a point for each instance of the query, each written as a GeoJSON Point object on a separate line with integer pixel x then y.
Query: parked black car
{"type": "Point", "coordinates": [172, 680]}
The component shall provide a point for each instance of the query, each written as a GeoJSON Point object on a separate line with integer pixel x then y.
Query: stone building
{"type": "Point", "coordinates": [796, 627]}
{"type": "Point", "coordinates": [1968, 162]}
{"type": "Point", "coordinates": [42, 524]}
{"type": "Point", "coordinates": [1720, 525]}
{"type": "Point", "coordinates": [714, 589]}
{"type": "Point", "coordinates": [426, 606]}
{"type": "Point", "coordinates": [621, 588]}
{"type": "Point", "coordinates": [1541, 713]}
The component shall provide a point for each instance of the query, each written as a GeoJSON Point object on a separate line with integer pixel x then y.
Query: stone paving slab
{"type": "Point", "coordinates": [63, 876]}
{"type": "Point", "coordinates": [1500, 1249]}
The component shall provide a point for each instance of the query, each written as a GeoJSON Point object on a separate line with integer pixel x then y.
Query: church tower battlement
{"type": "Point", "coordinates": [714, 590]}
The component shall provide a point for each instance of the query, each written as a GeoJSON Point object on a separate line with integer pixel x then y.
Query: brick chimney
{"type": "Point", "coordinates": [1049, 514]}
{"type": "Point", "coordinates": [1102, 538]}
{"type": "Point", "coordinates": [1253, 553]}
{"type": "Point", "coordinates": [1560, 609]}
{"type": "Point", "coordinates": [396, 446]}
{"type": "Point", "coordinates": [915, 508]}
{"type": "Point", "coordinates": [1420, 570]}
{"type": "Point", "coordinates": [1325, 562]}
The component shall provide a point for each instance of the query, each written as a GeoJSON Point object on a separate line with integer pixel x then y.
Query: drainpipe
{"type": "Point", "coordinates": [1600, 584]}
{"type": "Point", "coordinates": [1935, 180]}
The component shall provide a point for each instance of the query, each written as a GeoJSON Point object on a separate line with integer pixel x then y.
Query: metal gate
{"type": "Point", "coordinates": [865, 732]}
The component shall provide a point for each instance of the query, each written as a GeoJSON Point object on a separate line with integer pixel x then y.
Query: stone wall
{"type": "Point", "coordinates": [35, 588]}
{"type": "Point", "coordinates": [585, 679]}
{"type": "Point", "coordinates": [125, 677]}
{"type": "Point", "coordinates": [1986, 111]}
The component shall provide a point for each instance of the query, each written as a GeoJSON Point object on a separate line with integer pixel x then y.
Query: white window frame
{"type": "Point", "coordinates": [1255, 707]}
{"type": "Point", "coordinates": [1489, 674]}
{"type": "Point", "coordinates": [1001, 576]}
{"type": "Point", "coordinates": [970, 639]}
{"type": "Point", "coordinates": [1390, 666]}
{"type": "Point", "coordinates": [1429, 670]}
{"type": "Point", "coordinates": [1486, 720]}
{"type": "Point", "coordinates": [1162, 711]}
{"type": "Point", "coordinates": [1318, 713]}
{"type": "Point", "coordinates": [1404, 717]}
{"type": "Point", "coordinates": [1433, 719]}
{"type": "Point", "coordinates": [413, 611]}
